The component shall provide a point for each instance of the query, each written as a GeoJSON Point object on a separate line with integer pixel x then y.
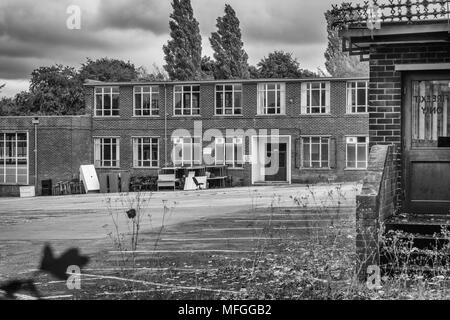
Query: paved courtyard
{"type": "Point", "coordinates": [223, 219]}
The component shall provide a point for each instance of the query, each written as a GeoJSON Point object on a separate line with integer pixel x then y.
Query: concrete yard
{"type": "Point", "coordinates": [84, 221]}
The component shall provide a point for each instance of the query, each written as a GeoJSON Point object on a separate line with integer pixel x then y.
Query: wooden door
{"type": "Point", "coordinates": [426, 142]}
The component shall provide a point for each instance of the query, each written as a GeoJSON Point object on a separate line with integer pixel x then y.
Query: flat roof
{"type": "Point", "coordinates": [94, 83]}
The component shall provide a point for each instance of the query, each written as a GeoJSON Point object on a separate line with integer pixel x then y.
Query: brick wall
{"type": "Point", "coordinates": [385, 91]}
{"type": "Point", "coordinates": [63, 144]}
{"type": "Point", "coordinates": [338, 125]}
{"type": "Point", "coordinates": [375, 204]}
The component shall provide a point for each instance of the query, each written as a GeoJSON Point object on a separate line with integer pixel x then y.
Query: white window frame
{"type": "Point", "coordinates": [349, 101]}
{"type": "Point", "coordinates": [310, 152]}
{"type": "Point", "coordinates": [221, 143]}
{"type": "Point", "coordinates": [154, 112]}
{"type": "Point", "coordinates": [262, 97]}
{"type": "Point", "coordinates": [192, 161]}
{"type": "Point", "coordinates": [137, 143]}
{"type": "Point", "coordinates": [356, 144]}
{"type": "Point", "coordinates": [191, 109]}
{"type": "Point", "coordinates": [106, 91]}
{"type": "Point", "coordinates": [234, 92]}
{"type": "Point", "coordinates": [16, 157]}
{"type": "Point", "coordinates": [307, 98]}
{"type": "Point", "coordinates": [99, 160]}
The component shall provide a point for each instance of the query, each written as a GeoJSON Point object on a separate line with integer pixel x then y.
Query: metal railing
{"type": "Point", "coordinates": [350, 15]}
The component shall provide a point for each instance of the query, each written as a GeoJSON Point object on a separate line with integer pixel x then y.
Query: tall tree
{"type": "Point", "coordinates": [339, 63]}
{"type": "Point", "coordinates": [280, 64]}
{"type": "Point", "coordinates": [183, 53]}
{"type": "Point", "coordinates": [231, 58]}
{"type": "Point", "coordinates": [106, 69]}
{"type": "Point", "coordinates": [2, 86]}
{"type": "Point", "coordinates": [156, 74]}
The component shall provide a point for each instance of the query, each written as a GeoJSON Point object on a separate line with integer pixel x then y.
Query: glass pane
{"type": "Point", "coordinates": [351, 156]}
{"type": "Point", "coordinates": [315, 98]}
{"type": "Point", "coordinates": [430, 101]}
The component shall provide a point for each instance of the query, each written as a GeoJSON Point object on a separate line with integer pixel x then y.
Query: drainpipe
{"type": "Point", "coordinates": [35, 121]}
{"type": "Point", "coordinates": [165, 124]}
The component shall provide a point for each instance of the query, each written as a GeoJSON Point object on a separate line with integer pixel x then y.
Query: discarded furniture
{"type": "Point", "coordinates": [88, 176]}
{"type": "Point", "coordinates": [166, 181]}
{"type": "Point", "coordinates": [199, 185]}
{"type": "Point", "coordinates": [216, 176]}
{"type": "Point", "coordinates": [46, 187]}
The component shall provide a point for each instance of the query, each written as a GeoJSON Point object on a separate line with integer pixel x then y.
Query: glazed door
{"type": "Point", "coordinates": [276, 152]}
{"type": "Point", "coordinates": [426, 142]}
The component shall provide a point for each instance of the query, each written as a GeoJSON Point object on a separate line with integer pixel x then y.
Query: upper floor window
{"type": "Point", "coordinates": [187, 151]}
{"type": "Point", "coordinates": [357, 96]}
{"type": "Point", "coordinates": [229, 99]}
{"type": "Point", "coordinates": [316, 152]}
{"type": "Point", "coordinates": [315, 98]}
{"type": "Point", "coordinates": [187, 100]}
{"type": "Point", "coordinates": [146, 101]}
{"type": "Point", "coordinates": [271, 98]}
{"type": "Point", "coordinates": [145, 152]}
{"type": "Point", "coordinates": [357, 151]}
{"type": "Point", "coordinates": [106, 103]}
{"type": "Point", "coordinates": [14, 158]}
{"type": "Point", "coordinates": [229, 151]}
{"type": "Point", "coordinates": [106, 152]}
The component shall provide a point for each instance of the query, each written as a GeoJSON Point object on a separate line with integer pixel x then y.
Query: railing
{"type": "Point", "coordinates": [350, 15]}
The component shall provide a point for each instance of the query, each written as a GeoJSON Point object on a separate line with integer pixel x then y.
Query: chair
{"type": "Point", "coordinates": [198, 184]}
{"type": "Point", "coordinates": [166, 180]}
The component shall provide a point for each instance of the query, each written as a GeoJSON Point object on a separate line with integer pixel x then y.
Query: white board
{"type": "Point", "coordinates": [88, 176]}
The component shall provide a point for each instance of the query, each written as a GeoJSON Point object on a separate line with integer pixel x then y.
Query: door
{"type": "Point", "coordinates": [276, 164]}
{"type": "Point", "coordinates": [426, 142]}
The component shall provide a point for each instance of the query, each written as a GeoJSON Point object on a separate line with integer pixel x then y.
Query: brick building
{"type": "Point", "coordinates": [264, 131]}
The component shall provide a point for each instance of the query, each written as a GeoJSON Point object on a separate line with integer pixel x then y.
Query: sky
{"type": "Point", "coordinates": [35, 33]}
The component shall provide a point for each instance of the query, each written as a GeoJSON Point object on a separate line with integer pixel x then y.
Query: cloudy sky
{"type": "Point", "coordinates": [34, 33]}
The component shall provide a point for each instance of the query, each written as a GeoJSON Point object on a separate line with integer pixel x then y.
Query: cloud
{"type": "Point", "coordinates": [148, 15]}
{"type": "Point", "coordinates": [34, 33]}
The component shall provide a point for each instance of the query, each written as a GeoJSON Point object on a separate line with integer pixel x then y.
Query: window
{"type": "Point", "coordinates": [229, 151]}
{"type": "Point", "coordinates": [146, 101]}
{"type": "Point", "coordinates": [187, 151]}
{"type": "Point", "coordinates": [316, 152]}
{"type": "Point", "coordinates": [106, 152]}
{"type": "Point", "coordinates": [271, 98]}
{"type": "Point", "coordinates": [14, 158]}
{"type": "Point", "coordinates": [229, 99]}
{"type": "Point", "coordinates": [106, 103]}
{"type": "Point", "coordinates": [187, 100]}
{"type": "Point", "coordinates": [357, 96]}
{"type": "Point", "coordinates": [145, 152]}
{"type": "Point", "coordinates": [316, 98]}
{"type": "Point", "coordinates": [357, 152]}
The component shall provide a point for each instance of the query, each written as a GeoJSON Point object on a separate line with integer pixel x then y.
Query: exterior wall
{"type": "Point", "coordinates": [63, 144]}
{"type": "Point", "coordinates": [337, 125]}
{"type": "Point", "coordinates": [385, 91]}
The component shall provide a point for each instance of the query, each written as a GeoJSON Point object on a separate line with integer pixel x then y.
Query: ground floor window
{"type": "Point", "coordinates": [187, 151]}
{"type": "Point", "coordinates": [357, 152]}
{"type": "Point", "coordinates": [229, 151]}
{"type": "Point", "coordinates": [316, 152]}
{"type": "Point", "coordinates": [14, 158]}
{"type": "Point", "coordinates": [145, 152]}
{"type": "Point", "coordinates": [106, 152]}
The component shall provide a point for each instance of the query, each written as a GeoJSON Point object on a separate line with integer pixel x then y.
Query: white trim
{"type": "Point", "coordinates": [234, 92]}
{"type": "Point", "coordinates": [422, 66]}
{"type": "Point", "coordinates": [302, 167]}
{"type": "Point", "coordinates": [16, 157]}
{"type": "Point", "coordinates": [306, 98]}
{"type": "Point", "coordinates": [99, 144]}
{"type": "Point", "coordinates": [356, 151]}
{"type": "Point", "coordinates": [151, 93]}
{"type": "Point", "coordinates": [262, 90]}
{"type": "Point", "coordinates": [134, 160]}
{"type": "Point", "coordinates": [347, 103]}
{"type": "Point", "coordinates": [102, 94]}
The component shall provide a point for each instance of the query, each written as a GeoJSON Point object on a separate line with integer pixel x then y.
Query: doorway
{"type": "Point", "coordinates": [426, 142]}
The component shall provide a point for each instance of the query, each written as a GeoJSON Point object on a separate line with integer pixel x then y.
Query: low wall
{"type": "Point", "coordinates": [375, 204]}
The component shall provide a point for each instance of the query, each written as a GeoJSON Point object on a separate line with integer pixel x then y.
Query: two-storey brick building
{"type": "Point", "coordinates": [263, 130]}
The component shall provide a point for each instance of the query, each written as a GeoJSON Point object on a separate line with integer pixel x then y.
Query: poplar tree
{"type": "Point", "coordinates": [229, 54]}
{"type": "Point", "coordinates": [183, 52]}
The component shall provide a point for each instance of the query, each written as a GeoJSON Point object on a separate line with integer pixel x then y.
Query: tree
{"type": "Point", "coordinates": [183, 53]}
{"type": "Point", "coordinates": [231, 58]}
{"type": "Point", "coordinates": [106, 69]}
{"type": "Point", "coordinates": [55, 90]}
{"type": "Point", "coordinates": [2, 86]}
{"type": "Point", "coordinates": [339, 63]}
{"type": "Point", "coordinates": [208, 66]}
{"type": "Point", "coordinates": [253, 72]}
{"type": "Point", "coordinates": [280, 64]}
